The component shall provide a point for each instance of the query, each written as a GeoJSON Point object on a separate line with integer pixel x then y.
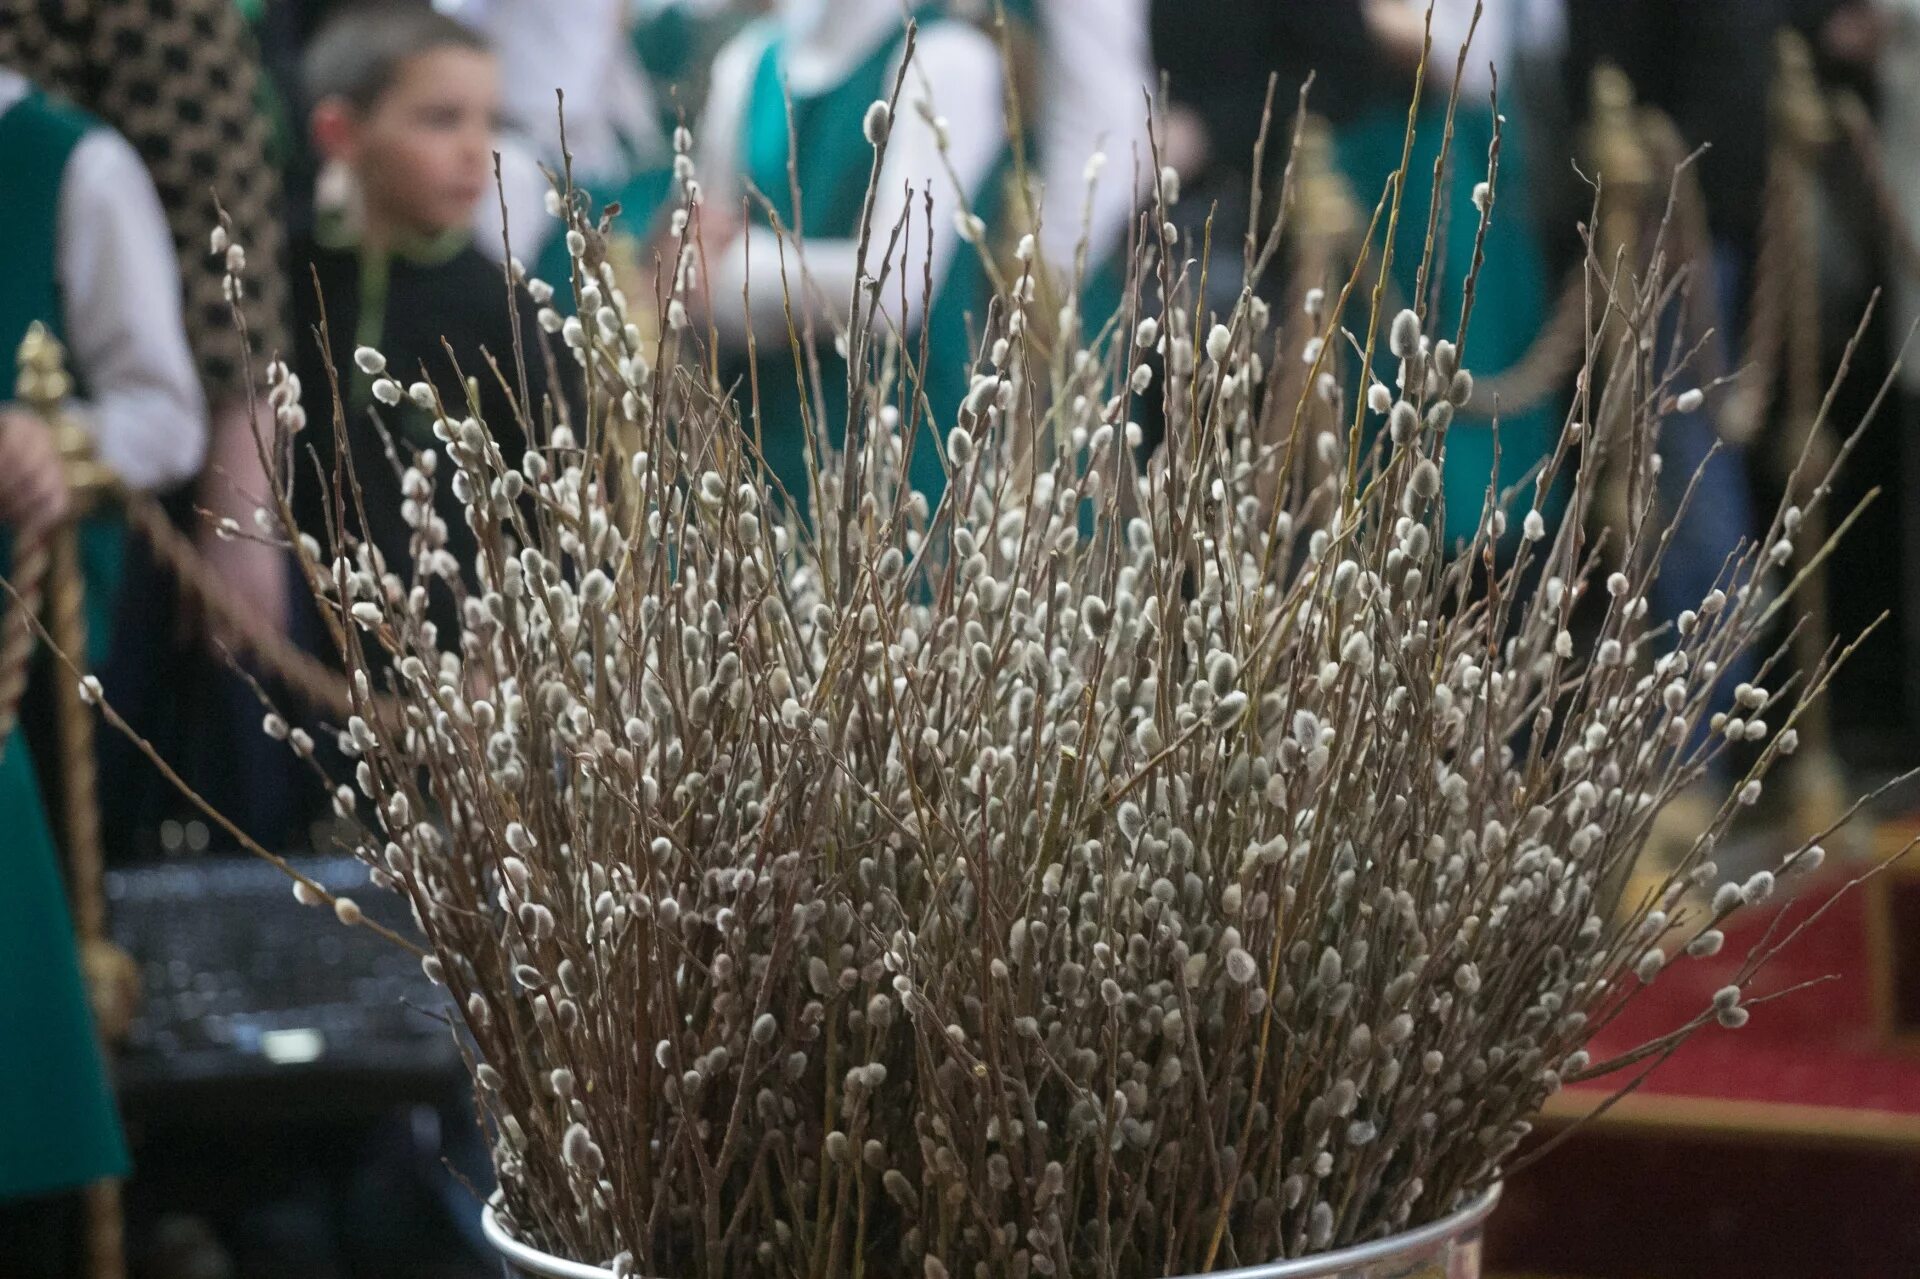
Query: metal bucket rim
{"type": "Point", "coordinates": [1326, 1265]}
{"type": "Point", "coordinates": [532, 1260]}
{"type": "Point", "coordinates": [1321, 1265]}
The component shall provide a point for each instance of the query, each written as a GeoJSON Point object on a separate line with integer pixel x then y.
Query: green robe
{"type": "Point", "coordinates": [832, 167]}
{"type": "Point", "coordinates": [58, 1125]}
{"type": "Point", "coordinates": [1510, 306]}
{"type": "Point", "coordinates": [665, 44]}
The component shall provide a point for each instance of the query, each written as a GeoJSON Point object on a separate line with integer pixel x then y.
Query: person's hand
{"type": "Point", "coordinates": [710, 240]}
{"type": "Point", "coordinates": [255, 575]}
{"type": "Point", "coordinates": [1854, 33]}
{"type": "Point", "coordinates": [254, 571]}
{"type": "Point", "coordinates": [1186, 145]}
{"type": "Point", "coordinates": [717, 225]}
{"type": "Point", "coordinates": [33, 478]}
{"type": "Point", "coordinates": [1398, 28]}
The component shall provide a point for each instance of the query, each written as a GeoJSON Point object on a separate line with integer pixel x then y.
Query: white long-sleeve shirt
{"type": "Point", "coordinates": [1096, 60]}
{"type": "Point", "coordinates": [120, 303]}
{"type": "Point", "coordinates": [956, 72]}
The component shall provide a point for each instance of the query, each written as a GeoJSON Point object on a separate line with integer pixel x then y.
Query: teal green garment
{"type": "Point", "coordinates": [641, 195]}
{"type": "Point", "coordinates": [58, 1124]}
{"type": "Point", "coordinates": [664, 45]}
{"type": "Point", "coordinates": [832, 167]}
{"type": "Point", "coordinates": [1510, 303]}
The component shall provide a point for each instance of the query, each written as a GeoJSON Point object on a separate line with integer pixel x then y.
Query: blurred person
{"type": "Point", "coordinates": [834, 61]}
{"type": "Point", "coordinates": [1085, 107]}
{"type": "Point", "coordinates": [616, 124]}
{"type": "Point", "coordinates": [1708, 67]}
{"type": "Point", "coordinates": [1868, 214]}
{"type": "Point", "coordinates": [1512, 293]}
{"type": "Point", "coordinates": [1219, 59]}
{"type": "Point", "coordinates": [181, 81]}
{"type": "Point", "coordinates": [84, 251]}
{"type": "Point", "coordinates": [1891, 30]}
{"type": "Point", "coordinates": [404, 108]}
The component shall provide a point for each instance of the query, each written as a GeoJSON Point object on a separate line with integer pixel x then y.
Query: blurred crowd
{"type": "Point", "coordinates": [196, 193]}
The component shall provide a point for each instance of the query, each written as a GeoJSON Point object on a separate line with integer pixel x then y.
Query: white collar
{"type": "Point", "coordinates": [13, 87]}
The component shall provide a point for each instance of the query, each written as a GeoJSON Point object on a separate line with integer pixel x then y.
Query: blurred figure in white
{"type": "Point", "coordinates": [833, 62]}
{"type": "Point", "coordinates": [1095, 158]}
{"type": "Point", "coordinates": [617, 119]}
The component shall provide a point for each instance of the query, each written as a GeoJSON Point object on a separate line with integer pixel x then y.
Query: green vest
{"type": "Point", "coordinates": [665, 45]}
{"type": "Point", "coordinates": [1513, 289]}
{"type": "Point", "coordinates": [832, 166]}
{"type": "Point", "coordinates": [58, 1126]}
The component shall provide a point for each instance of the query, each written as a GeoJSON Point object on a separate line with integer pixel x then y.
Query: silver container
{"type": "Point", "coordinates": [1447, 1249]}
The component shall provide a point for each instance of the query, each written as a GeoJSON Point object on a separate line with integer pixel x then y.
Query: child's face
{"type": "Point", "coordinates": [423, 153]}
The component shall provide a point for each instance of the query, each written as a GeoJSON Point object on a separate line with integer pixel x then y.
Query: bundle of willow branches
{"type": "Point", "coordinates": [1125, 863]}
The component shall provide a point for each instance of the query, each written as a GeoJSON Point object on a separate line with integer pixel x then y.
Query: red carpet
{"type": "Point", "coordinates": [1815, 1050]}
{"type": "Point", "coordinates": [1789, 1149]}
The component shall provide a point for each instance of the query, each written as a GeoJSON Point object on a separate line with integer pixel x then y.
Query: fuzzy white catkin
{"type": "Point", "coordinates": [1425, 480]}
{"type": "Point", "coordinates": [369, 360]}
{"type": "Point", "coordinates": [1403, 337]}
{"type": "Point", "coordinates": [1402, 422]}
{"type": "Point", "coordinates": [874, 123]}
{"type": "Point", "coordinates": [1707, 944]}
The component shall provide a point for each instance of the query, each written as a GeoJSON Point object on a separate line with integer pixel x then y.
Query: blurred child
{"type": "Point", "coordinates": [83, 251]}
{"type": "Point", "coordinates": [403, 109]}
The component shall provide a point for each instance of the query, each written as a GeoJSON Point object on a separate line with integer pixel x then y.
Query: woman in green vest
{"type": "Point", "coordinates": [833, 61]}
{"type": "Point", "coordinates": [84, 251]}
{"type": "Point", "coordinates": [1512, 291]}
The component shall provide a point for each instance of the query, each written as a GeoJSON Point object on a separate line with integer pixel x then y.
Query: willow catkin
{"type": "Point", "coordinates": [921, 872]}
